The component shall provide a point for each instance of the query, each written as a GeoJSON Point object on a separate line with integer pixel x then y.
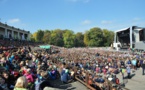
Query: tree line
{"type": "Point", "coordinates": [95, 37]}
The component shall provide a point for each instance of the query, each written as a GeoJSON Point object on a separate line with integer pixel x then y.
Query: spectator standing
{"type": "Point", "coordinates": [143, 67]}
{"type": "Point", "coordinates": [128, 69]}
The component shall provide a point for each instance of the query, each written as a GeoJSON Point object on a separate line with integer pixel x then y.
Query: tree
{"type": "Point", "coordinates": [94, 37]}
{"type": "Point", "coordinates": [32, 38]}
{"type": "Point", "coordinates": [39, 36]}
{"type": "Point", "coordinates": [86, 38]}
{"type": "Point", "coordinates": [57, 37]}
{"type": "Point", "coordinates": [47, 37]}
{"type": "Point", "coordinates": [108, 37]}
{"type": "Point", "coordinates": [79, 40]}
{"type": "Point", "coordinates": [68, 38]}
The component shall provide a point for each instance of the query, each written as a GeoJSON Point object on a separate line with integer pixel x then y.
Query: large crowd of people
{"type": "Point", "coordinates": [27, 69]}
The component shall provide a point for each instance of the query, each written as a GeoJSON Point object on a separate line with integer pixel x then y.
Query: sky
{"type": "Point", "coordinates": [76, 15]}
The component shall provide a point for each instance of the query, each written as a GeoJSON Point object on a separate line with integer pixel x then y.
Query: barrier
{"type": "Point", "coordinates": [110, 85]}
{"type": "Point", "coordinates": [88, 86]}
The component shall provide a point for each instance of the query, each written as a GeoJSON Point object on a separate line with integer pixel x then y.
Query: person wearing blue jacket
{"type": "Point", "coordinates": [11, 58]}
{"type": "Point", "coordinates": [143, 67]}
{"type": "Point", "coordinates": [65, 76]}
{"type": "Point", "coordinates": [128, 69]}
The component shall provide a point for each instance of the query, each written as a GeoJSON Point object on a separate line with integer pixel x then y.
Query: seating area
{"type": "Point", "coordinates": [95, 68]}
{"type": "Point", "coordinates": [7, 44]}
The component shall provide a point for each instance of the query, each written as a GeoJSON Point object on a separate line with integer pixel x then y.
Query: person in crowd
{"type": "Point", "coordinates": [122, 70]}
{"type": "Point", "coordinates": [78, 61]}
{"type": "Point", "coordinates": [29, 76]}
{"type": "Point", "coordinates": [21, 84]}
{"type": "Point", "coordinates": [134, 62]}
{"type": "Point", "coordinates": [9, 79]}
{"type": "Point", "coordinates": [65, 76]}
{"type": "Point", "coordinates": [143, 68]}
{"type": "Point", "coordinates": [3, 84]}
{"type": "Point", "coordinates": [128, 69]}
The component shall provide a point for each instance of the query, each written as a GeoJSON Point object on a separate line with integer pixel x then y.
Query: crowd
{"type": "Point", "coordinates": [26, 69]}
{"type": "Point", "coordinates": [95, 66]}
{"type": "Point", "coordinates": [7, 44]}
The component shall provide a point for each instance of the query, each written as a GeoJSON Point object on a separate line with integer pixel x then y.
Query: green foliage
{"type": "Point", "coordinates": [108, 37]}
{"type": "Point", "coordinates": [39, 35]}
{"type": "Point", "coordinates": [57, 37]}
{"type": "Point", "coordinates": [95, 37]}
{"type": "Point", "coordinates": [46, 37]}
{"type": "Point", "coordinates": [79, 37]}
{"type": "Point", "coordinates": [68, 38]}
{"type": "Point", "coordinates": [32, 38]}
{"type": "Point", "coordinates": [86, 38]}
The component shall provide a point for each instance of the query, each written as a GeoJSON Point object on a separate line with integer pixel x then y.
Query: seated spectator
{"type": "Point", "coordinates": [9, 79]}
{"type": "Point", "coordinates": [41, 81]}
{"type": "Point", "coordinates": [41, 76]}
{"type": "Point", "coordinates": [21, 83]}
{"type": "Point", "coordinates": [1, 50]}
{"type": "Point", "coordinates": [3, 84]}
{"type": "Point", "coordinates": [52, 74]}
{"type": "Point", "coordinates": [11, 58]}
{"type": "Point", "coordinates": [29, 77]}
{"type": "Point", "coordinates": [65, 77]}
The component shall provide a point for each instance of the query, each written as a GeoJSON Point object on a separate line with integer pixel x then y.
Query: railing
{"type": "Point", "coordinates": [88, 86]}
{"type": "Point", "coordinates": [109, 85]}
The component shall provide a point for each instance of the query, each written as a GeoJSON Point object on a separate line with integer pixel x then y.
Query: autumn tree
{"type": "Point", "coordinates": [39, 35]}
{"type": "Point", "coordinates": [108, 37]}
{"type": "Point", "coordinates": [94, 37]}
{"type": "Point", "coordinates": [57, 37]}
{"type": "Point", "coordinates": [32, 38]}
{"type": "Point", "coordinates": [68, 38]}
{"type": "Point", "coordinates": [47, 36]}
{"type": "Point", "coordinates": [79, 37]}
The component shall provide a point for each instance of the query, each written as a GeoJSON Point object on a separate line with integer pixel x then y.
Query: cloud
{"type": "Point", "coordinates": [86, 22]}
{"type": "Point", "coordinates": [106, 22]}
{"type": "Point", "coordinates": [15, 20]}
{"type": "Point", "coordinates": [136, 19]}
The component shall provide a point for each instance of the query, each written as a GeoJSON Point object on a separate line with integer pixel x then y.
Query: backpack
{"type": "Point", "coordinates": [129, 62]}
{"type": "Point", "coordinates": [101, 80]}
{"type": "Point", "coordinates": [117, 81]}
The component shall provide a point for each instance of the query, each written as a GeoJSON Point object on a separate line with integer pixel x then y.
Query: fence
{"type": "Point", "coordinates": [109, 85]}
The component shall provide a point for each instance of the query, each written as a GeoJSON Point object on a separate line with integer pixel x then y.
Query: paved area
{"type": "Point", "coordinates": [78, 86]}
{"type": "Point", "coordinates": [137, 82]}
{"type": "Point", "coordinates": [71, 86]}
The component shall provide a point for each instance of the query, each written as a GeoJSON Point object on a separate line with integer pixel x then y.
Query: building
{"type": "Point", "coordinates": [11, 32]}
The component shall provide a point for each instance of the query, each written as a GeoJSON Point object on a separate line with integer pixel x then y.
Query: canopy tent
{"type": "Point", "coordinates": [45, 46]}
